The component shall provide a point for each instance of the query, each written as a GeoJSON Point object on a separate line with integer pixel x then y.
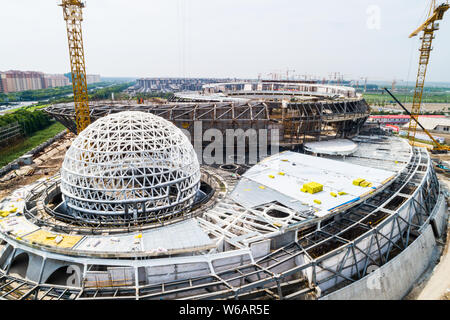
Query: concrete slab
{"type": "Point", "coordinates": [178, 236]}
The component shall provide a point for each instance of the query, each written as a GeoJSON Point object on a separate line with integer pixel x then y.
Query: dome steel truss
{"type": "Point", "coordinates": [129, 166]}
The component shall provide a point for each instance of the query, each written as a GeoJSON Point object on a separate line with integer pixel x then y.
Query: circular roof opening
{"type": "Point", "coordinates": [229, 167]}
{"type": "Point", "coordinates": [278, 214]}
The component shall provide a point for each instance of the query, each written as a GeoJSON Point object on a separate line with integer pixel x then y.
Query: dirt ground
{"type": "Point", "coordinates": [438, 286]}
{"type": "Point", "coordinates": [442, 157]}
{"type": "Point", "coordinates": [46, 163]}
{"type": "Point", "coordinates": [435, 284]}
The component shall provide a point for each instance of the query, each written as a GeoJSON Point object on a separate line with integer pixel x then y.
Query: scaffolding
{"type": "Point", "coordinates": [296, 124]}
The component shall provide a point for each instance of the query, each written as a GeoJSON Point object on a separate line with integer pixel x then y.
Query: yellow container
{"type": "Point", "coordinates": [358, 181]}
{"type": "Point", "coordinates": [365, 184]}
{"type": "Point", "coordinates": [317, 201]}
{"type": "Point", "coordinates": [333, 194]}
{"type": "Point", "coordinates": [271, 176]}
{"type": "Point", "coordinates": [281, 173]}
{"type": "Point", "coordinates": [313, 187]}
{"type": "Point", "coordinates": [342, 193]}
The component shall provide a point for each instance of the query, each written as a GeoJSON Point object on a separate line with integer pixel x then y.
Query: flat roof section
{"type": "Point", "coordinates": [284, 175]}
{"type": "Point", "coordinates": [183, 236]}
{"type": "Point", "coordinates": [388, 153]}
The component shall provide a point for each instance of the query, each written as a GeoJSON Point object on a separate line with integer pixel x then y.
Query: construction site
{"type": "Point", "coordinates": [126, 203]}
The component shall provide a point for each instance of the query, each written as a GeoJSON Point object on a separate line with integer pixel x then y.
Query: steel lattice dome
{"type": "Point", "coordinates": [130, 166]}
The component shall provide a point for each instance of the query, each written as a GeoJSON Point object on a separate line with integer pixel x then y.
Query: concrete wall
{"type": "Point", "coordinates": [413, 262]}
{"type": "Point", "coordinates": [440, 220]}
{"type": "Point", "coordinates": [393, 280]}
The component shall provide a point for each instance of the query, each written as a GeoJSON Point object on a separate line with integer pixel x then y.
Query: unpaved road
{"type": "Point", "coordinates": [46, 164]}
{"type": "Point", "coordinates": [438, 286]}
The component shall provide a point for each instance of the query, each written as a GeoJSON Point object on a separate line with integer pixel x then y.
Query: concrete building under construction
{"type": "Point", "coordinates": [134, 214]}
{"type": "Point", "coordinates": [299, 112]}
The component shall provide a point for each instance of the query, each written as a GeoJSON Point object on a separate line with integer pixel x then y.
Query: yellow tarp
{"type": "Point", "coordinates": [5, 213]}
{"type": "Point", "coordinates": [48, 238]}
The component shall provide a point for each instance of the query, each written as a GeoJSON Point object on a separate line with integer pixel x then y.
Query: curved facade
{"type": "Point", "coordinates": [293, 122]}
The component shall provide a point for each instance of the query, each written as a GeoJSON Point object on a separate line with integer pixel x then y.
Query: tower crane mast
{"type": "Point", "coordinates": [428, 27]}
{"type": "Point", "coordinates": [72, 11]}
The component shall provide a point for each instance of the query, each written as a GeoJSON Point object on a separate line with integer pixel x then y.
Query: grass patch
{"type": "Point", "coordinates": [9, 154]}
{"type": "Point", "coordinates": [37, 107]}
{"type": "Point", "coordinates": [428, 97]}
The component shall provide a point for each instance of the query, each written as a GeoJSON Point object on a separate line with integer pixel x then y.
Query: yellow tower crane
{"type": "Point", "coordinates": [435, 14]}
{"type": "Point", "coordinates": [72, 10]}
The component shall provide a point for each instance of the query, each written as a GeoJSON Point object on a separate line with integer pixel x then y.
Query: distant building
{"type": "Point", "coordinates": [16, 81]}
{"type": "Point", "coordinates": [92, 78]}
{"type": "Point", "coordinates": [55, 80]}
{"type": "Point", "coordinates": [438, 125]}
{"type": "Point", "coordinates": [1, 83]}
{"type": "Point", "coordinates": [147, 85]}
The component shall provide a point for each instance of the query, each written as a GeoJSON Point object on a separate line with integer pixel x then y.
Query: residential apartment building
{"type": "Point", "coordinates": [15, 81]}
{"type": "Point", "coordinates": [56, 80]}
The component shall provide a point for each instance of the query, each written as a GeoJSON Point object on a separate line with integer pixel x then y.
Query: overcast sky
{"type": "Point", "coordinates": [226, 38]}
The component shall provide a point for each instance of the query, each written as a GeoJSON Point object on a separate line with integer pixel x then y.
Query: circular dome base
{"type": "Point", "coordinates": [52, 210]}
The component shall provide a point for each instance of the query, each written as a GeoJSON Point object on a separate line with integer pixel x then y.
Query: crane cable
{"type": "Point", "coordinates": [183, 45]}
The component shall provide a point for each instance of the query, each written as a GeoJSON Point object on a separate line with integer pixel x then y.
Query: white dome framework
{"type": "Point", "coordinates": [130, 167]}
